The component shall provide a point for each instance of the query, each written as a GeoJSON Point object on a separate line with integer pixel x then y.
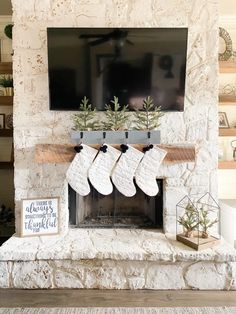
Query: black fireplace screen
{"type": "Point", "coordinates": [115, 210]}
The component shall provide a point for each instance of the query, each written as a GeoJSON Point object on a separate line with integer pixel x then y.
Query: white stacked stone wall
{"type": "Point", "coordinates": [34, 123]}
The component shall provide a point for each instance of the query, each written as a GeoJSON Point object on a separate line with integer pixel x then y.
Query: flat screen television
{"type": "Point", "coordinates": [130, 63]}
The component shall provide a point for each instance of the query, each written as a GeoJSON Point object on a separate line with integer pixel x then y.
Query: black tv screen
{"type": "Point", "coordinates": [130, 63]}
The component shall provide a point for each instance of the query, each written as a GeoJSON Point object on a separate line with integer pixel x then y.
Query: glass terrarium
{"type": "Point", "coordinates": [198, 221]}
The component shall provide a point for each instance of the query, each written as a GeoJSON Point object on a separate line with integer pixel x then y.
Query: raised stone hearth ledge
{"type": "Point", "coordinates": [113, 244]}
{"type": "Point", "coordinates": [114, 259]}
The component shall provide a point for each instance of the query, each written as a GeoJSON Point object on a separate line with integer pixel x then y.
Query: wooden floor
{"type": "Point", "coordinates": [118, 298]}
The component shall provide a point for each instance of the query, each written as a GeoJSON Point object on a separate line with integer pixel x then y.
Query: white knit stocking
{"type": "Point", "coordinates": [101, 169]}
{"type": "Point", "coordinates": [147, 171]}
{"type": "Point", "coordinates": [123, 173]}
{"type": "Point", "coordinates": [77, 173]}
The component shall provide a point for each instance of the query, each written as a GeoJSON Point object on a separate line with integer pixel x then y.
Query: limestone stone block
{"type": "Point", "coordinates": [172, 196]}
{"type": "Point", "coordinates": [4, 275]}
{"type": "Point", "coordinates": [207, 155]}
{"type": "Point", "coordinates": [169, 223]}
{"type": "Point", "coordinates": [64, 279]}
{"type": "Point", "coordinates": [32, 275]}
{"type": "Point", "coordinates": [172, 132]}
{"type": "Point", "coordinates": [165, 276]}
{"type": "Point", "coordinates": [105, 276]}
{"type": "Point", "coordinates": [201, 179]}
{"type": "Point", "coordinates": [233, 272]}
{"type": "Point", "coordinates": [171, 170]}
{"type": "Point", "coordinates": [135, 283]}
{"type": "Point", "coordinates": [27, 37]}
{"type": "Point", "coordinates": [207, 276]}
{"type": "Point", "coordinates": [195, 113]}
{"type": "Point", "coordinates": [197, 130]}
{"type": "Point", "coordinates": [174, 182]}
{"type": "Point", "coordinates": [135, 268]}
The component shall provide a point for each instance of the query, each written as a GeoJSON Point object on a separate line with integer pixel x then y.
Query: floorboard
{"type": "Point", "coordinates": [115, 298]}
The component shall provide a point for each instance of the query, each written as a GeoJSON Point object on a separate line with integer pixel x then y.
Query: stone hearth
{"type": "Point", "coordinates": [114, 259]}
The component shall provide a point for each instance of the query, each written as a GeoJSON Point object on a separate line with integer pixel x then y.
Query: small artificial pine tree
{"type": "Point", "coordinates": [189, 220]}
{"type": "Point", "coordinates": [205, 222]}
{"type": "Point", "coordinates": [83, 121]}
{"type": "Point", "coordinates": [116, 117]}
{"type": "Point", "coordinates": [147, 119]}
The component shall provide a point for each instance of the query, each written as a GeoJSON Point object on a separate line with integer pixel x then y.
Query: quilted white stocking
{"type": "Point", "coordinates": [123, 174]}
{"type": "Point", "coordinates": [77, 173]}
{"type": "Point", "coordinates": [101, 169]}
{"type": "Point", "coordinates": [147, 171]}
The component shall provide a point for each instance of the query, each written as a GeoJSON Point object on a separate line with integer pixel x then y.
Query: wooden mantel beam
{"type": "Point", "coordinates": [55, 153]}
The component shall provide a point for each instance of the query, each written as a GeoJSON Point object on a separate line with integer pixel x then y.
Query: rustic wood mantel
{"type": "Point", "coordinates": [56, 153]}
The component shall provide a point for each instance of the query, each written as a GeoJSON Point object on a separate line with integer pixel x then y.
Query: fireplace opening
{"type": "Point", "coordinates": [116, 210]}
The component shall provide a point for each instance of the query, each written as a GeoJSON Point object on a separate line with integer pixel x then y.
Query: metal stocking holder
{"type": "Point", "coordinates": [148, 138]}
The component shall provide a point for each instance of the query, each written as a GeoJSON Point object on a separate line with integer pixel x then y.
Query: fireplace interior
{"type": "Point", "coordinates": [116, 210]}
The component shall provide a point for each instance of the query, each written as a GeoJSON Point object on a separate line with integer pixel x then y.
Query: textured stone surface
{"type": "Point", "coordinates": [110, 274]}
{"type": "Point", "coordinates": [208, 276]}
{"type": "Point", "coordinates": [34, 123]}
{"type": "Point", "coordinates": [4, 275]}
{"type": "Point", "coordinates": [165, 277]}
{"type": "Point", "coordinates": [102, 244]}
{"type": "Point", "coordinates": [32, 275]}
{"type": "Point", "coordinates": [114, 259]}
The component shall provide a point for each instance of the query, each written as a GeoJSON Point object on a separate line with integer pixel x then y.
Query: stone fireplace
{"type": "Point", "coordinates": [131, 258]}
{"type": "Point", "coordinates": [35, 124]}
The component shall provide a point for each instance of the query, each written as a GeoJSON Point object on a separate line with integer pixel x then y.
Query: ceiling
{"type": "Point", "coordinates": [5, 7]}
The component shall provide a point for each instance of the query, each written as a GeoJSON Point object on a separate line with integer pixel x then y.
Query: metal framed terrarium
{"type": "Point", "coordinates": [198, 221]}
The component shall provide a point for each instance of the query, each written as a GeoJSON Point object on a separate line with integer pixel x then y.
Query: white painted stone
{"type": "Point", "coordinates": [165, 277]}
{"type": "Point", "coordinates": [75, 268]}
{"type": "Point", "coordinates": [136, 283]}
{"type": "Point", "coordinates": [173, 196]}
{"type": "Point", "coordinates": [208, 276]}
{"type": "Point", "coordinates": [173, 132]}
{"type": "Point", "coordinates": [198, 124]}
{"type": "Point", "coordinates": [32, 275]}
{"type": "Point", "coordinates": [35, 123]}
{"type": "Point", "coordinates": [174, 182]}
{"type": "Point", "coordinates": [4, 275]}
{"type": "Point", "coordinates": [63, 279]}
{"type": "Point", "coordinates": [171, 170]}
{"type": "Point", "coordinates": [233, 271]}
{"type": "Point", "coordinates": [104, 244]}
{"type": "Point", "coordinates": [105, 276]}
{"type": "Point", "coordinates": [207, 156]}
{"type": "Point", "coordinates": [197, 130]}
{"type": "Point", "coordinates": [196, 180]}
{"type": "Point", "coordinates": [169, 223]}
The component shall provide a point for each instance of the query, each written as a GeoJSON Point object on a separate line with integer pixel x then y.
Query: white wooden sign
{"type": "Point", "coordinates": [39, 216]}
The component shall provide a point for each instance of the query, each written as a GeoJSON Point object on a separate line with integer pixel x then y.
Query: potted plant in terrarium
{"type": "Point", "coordinates": [199, 218]}
{"type": "Point", "coordinates": [6, 81]}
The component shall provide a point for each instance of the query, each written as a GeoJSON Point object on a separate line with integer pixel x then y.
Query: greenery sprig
{"type": "Point", "coordinates": [84, 120]}
{"type": "Point", "coordinates": [116, 117]}
{"type": "Point", "coordinates": [6, 81]}
{"type": "Point", "coordinates": [205, 222]}
{"type": "Point", "coordinates": [189, 220]}
{"type": "Point", "coordinates": [148, 118]}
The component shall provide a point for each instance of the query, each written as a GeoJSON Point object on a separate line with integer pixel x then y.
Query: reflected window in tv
{"type": "Point", "coordinates": [130, 63]}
